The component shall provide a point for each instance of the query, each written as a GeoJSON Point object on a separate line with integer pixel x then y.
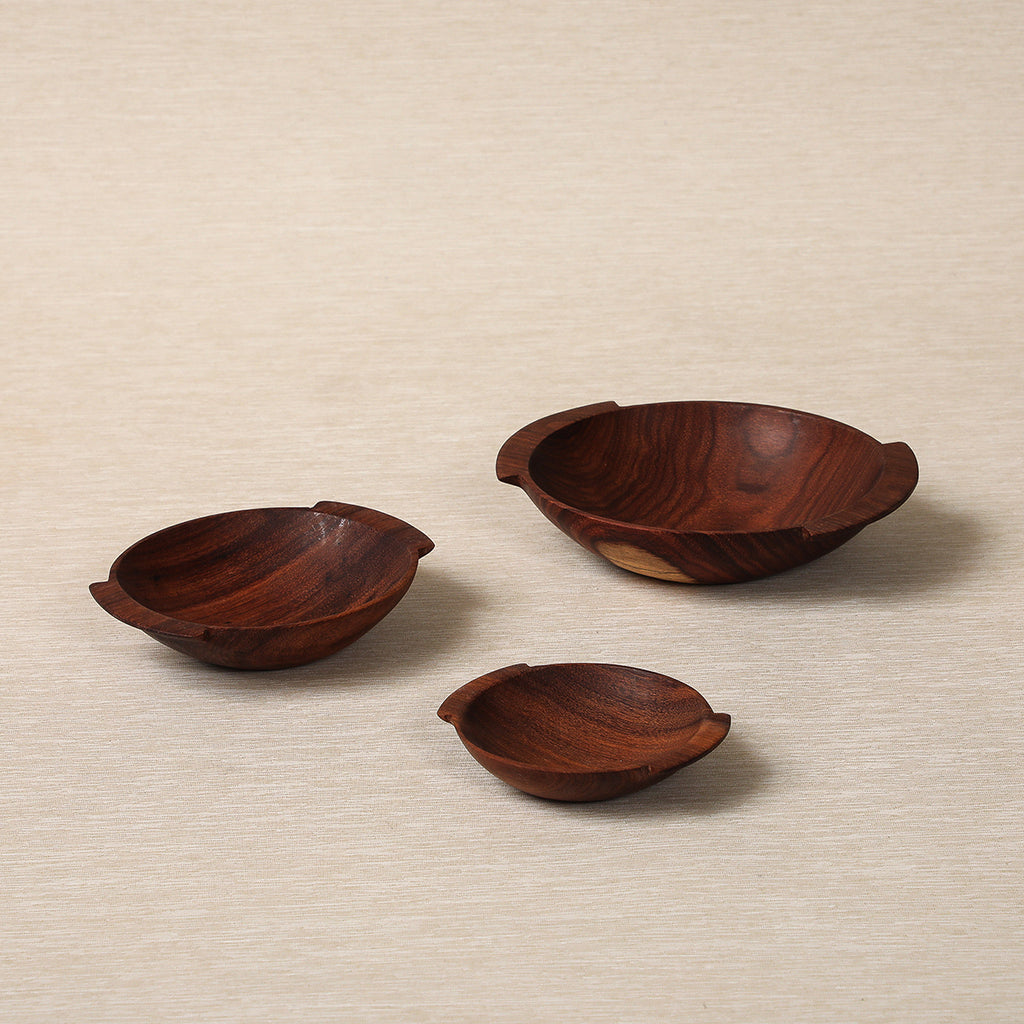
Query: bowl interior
{"type": "Point", "coordinates": [707, 466]}
{"type": "Point", "coordinates": [583, 717]}
{"type": "Point", "coordinates": [262, 566]}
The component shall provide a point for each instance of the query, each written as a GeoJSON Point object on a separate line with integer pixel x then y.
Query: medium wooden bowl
{"type": "Point", "coordinates": [706, 492]}
{"type": "Point", "coordinates": [268, 587]}
{"type": "Point", "coordinates": [582, 731]}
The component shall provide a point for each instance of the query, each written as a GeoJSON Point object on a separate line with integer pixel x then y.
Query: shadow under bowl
{"type": "Point", "coordinates": [265, 588]}
{"type": "Point", "coordinates": [581, 732]}
{"type": "Point", "coordinates": [706, 492]}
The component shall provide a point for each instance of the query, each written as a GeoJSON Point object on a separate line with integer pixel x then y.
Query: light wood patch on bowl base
{"type": "Point", "coordinates": [626, 556]}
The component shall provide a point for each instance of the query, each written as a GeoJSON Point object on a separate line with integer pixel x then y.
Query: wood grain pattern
{"type": "Point", "coordinates": [581, 732]}
{"type": "Point", "coordinates": [265, 588]}
{"type": "Point", "coordinates": [706, 492]}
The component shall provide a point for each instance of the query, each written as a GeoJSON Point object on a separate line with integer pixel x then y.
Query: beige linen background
{"type": "Point", "coordinates": [271, 253]}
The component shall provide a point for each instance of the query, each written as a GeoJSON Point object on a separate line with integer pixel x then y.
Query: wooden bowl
{"type": "Point", "coordinates": [706, 492]}
{"type": "Point", "coordinates": [268, 587]}
{"type": "Point", "coordinates": [582, 731]}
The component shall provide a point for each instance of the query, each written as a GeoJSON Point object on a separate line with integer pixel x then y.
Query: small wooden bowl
{"type": "Point", "coordinates": [706, 492]}
{"type": "Point", "coordinates": [582, 731]}
{"type": "Point", "coordinates": [268, 587]}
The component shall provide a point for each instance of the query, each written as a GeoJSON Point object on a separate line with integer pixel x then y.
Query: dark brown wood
{"type": "Point", "coordinates": [268, 587]}
{"type": "Point", "coordinates": [582, 731]}
{"type": "Point", "coordinates": [706, 492]}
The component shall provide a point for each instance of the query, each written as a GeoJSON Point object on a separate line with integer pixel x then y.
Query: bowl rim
{"type": "Point", "coordinates": [116, 600]}
{"type": "Point", "coordinates": [454, 707]}
{"type": "Point", "coordinates": [895, 482]}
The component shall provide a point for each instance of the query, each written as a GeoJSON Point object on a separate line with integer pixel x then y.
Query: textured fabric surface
{"type": "Point", "coordinates": [272, 253]}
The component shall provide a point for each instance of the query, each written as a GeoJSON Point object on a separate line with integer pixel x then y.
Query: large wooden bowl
{"type": "Point", "coordinates": [582, 731]}
{"type": "Point", "coordinates": [706, 492]}
{"type": "Point", "coordinates": [268, 587]}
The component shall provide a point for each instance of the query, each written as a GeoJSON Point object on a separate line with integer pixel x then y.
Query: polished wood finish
{"type": "Point", "coordinates": [706, 492]}
{"type": "Point", "coordinates": [265, 588]}
{"type": "Point", "coordinates": [582, 732]}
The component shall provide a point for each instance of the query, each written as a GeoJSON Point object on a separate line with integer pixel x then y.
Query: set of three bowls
{"type": "Point", "coordinates": [693, 492]}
